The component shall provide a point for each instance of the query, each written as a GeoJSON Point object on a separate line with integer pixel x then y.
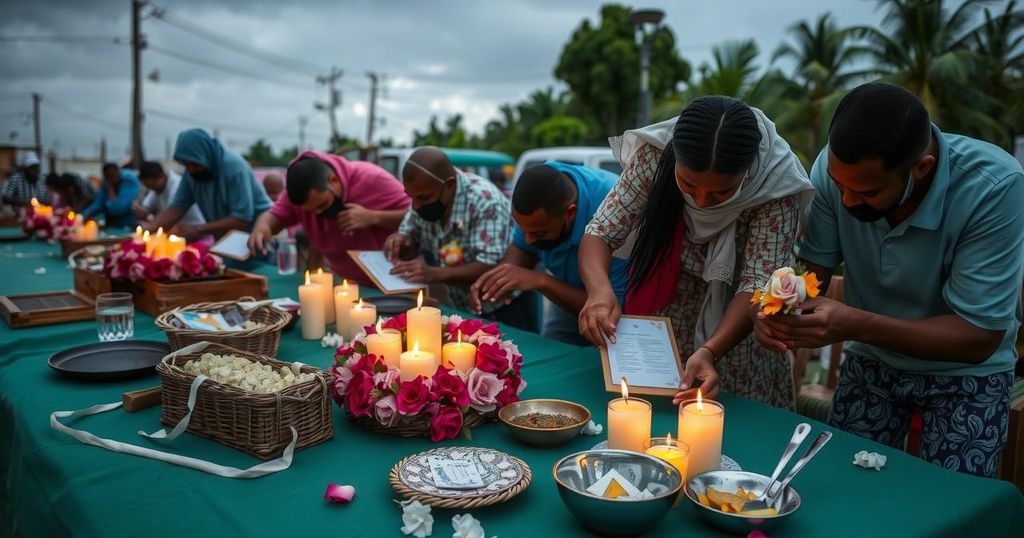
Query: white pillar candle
{"type": "Point", "coordinates": [424, 326]}
{"type": "Point", "coordinates": [386, 344]}
{"type": "Point", "coordinates": [326, 282]}
{"type": "Point", "coordinates": [311, 299]}
{"type": "Point", "coordinates": [459, 355]}
{"type": "Point", "coordinates": [359, 316]}
{"type": "Point", "coordinates": [629, 422]}
{"type": "Point", "coordinates": [700, 427]}
{"type": "Point", "coordinates": [415, 363]}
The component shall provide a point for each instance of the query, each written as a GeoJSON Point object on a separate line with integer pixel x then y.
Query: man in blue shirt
{"type": "Point", "coordinates": [217, 180]}
{"type": "Point", "coordinates": [115, 197]}
{"type": "Point", "coordinates": [552, 205]}
{"type": "Point", "coordinates": [930, 228]}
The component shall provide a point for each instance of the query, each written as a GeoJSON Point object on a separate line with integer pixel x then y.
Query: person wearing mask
{"type": "Point", "coordinates": [162, 186]}
{"type": "Point", "coordinates": [115, 198]}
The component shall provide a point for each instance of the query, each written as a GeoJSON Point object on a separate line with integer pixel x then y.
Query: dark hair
{"type": "Point", "coordinates": [713, 133]}
{"type": "Point", "coordinates": [542, 187]}
{"type": "Point", "coordinates": [108, 166]}
{"type": "Point", "coordinates": [305, 174]}
{"type": "Point", "coordinates": [880, 121]}
{"type": "Point", "coordinates": [150, 169]}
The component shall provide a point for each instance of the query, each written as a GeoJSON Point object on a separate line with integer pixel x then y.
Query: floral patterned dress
{"type": "Point", "coordinates": [764, 242]}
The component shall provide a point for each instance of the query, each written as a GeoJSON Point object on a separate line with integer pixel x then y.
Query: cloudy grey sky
{"type": "Point", "coordinates": [439, 57]}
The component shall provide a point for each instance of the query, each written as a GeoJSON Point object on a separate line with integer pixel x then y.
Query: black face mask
{"type": "Point", "coordinates": [205, 175]}
{"type": "Point", "coordinates": [332, 210]}
{"type": "Point", "coordinates": [866, 213]}
{"type": "Point", "coordinates": [432, 212]}
{"type": "Point", "coordinates": [550, 244]}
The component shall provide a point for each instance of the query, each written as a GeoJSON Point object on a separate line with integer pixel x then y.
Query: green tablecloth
{"type": "Point", "coordinates": [52, 485]}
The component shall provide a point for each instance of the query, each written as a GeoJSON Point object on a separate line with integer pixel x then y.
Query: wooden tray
{"type": "Point", "coordinates": [67, 246]}
{"type": "Point", "coordinates": [47, 308]}
{"type": "Point", "coordinates": [155, 298]}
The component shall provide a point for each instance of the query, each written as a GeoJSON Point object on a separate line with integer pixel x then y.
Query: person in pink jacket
{"type": "Point", "coordinates": [342, 205]}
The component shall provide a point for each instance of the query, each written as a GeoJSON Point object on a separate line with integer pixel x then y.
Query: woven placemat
{"type": "Point", "coordinates": [405, 491]}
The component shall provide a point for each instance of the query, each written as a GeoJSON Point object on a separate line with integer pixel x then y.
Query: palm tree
{"type": "Point", "coordinates": [732, 73]}
{"type": "Point", "coordinates": [822, 55]}
{"type": "Point", "coordinates": [999, 42]}
{"type": "Point", "coordinates": [922, 46]}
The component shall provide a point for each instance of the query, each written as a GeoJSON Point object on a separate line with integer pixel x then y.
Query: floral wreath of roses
{"type": "Point", "coordinates": [130, 260]}
{"type": "Point", "coordinates": [59, 226]}
{"type": "Point", "coordinates": [786, 291]}
{"type": "Point", "coordinates": [450, 400]}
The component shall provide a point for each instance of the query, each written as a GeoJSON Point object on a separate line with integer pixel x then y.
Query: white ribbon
{"type": "Point", "coordinates": [83, 436]}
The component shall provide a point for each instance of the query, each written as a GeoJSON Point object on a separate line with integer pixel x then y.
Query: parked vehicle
{"type": "Point", "coordinates": [594, 157]}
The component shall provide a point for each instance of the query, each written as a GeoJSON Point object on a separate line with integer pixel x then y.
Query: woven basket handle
{"type": "Point", "coordinates": [83, 436]}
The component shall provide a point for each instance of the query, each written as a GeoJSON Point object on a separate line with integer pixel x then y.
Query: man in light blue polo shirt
{"type": "Point", "coordinates": [216, 180]}
{"type": "Point", "coordinates": [930, 228]}
{"type": "Point", "coordinates": [552, 205]}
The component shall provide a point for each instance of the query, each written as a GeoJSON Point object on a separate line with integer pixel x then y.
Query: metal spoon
{"type": "Point", "coordinates": [799, 434]}
{"type": "Point", "coordinates": [816, 446]}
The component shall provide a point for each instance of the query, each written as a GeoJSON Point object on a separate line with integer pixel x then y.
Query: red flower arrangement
{"type": "Point", "coordinates": [56, 226]}
{"type": "Point", "coordinates": [129, 260]}
{"type": "Point", "coordinates": [371, 391]}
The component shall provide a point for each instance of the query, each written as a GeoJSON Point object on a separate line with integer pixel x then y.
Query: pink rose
{"type": "Point", "coordinates": [448, 386]}
{"type": "Point", "coordinates": [137, 271]}
{"type": "Point", "coordinates": [190, 262]}
{"type": "Point", "coordinates": [386, 379]}
{"type": "Point", "coordinates": [211, 264]}
{"type": "Point", "coordinates": [492, 358]}
{"type": "Point", "coordinates": [368, 364]}
{"type": "Point", "coordinates": [398, 323]}
{"type": "Point", "coordinates": [483, 390]}
{"type": "Point", "coordinates": [445, 423]}
{"type": "Point", "coordinates": [470, 327]}
{"type": "Point", "coordinates": [358, 394]}
{"type": "Point", "coordinates": [340, 376]}
{"type": "Point", "coordinates": [412, 396]}
{"type": "Point", "coordinates": [514, 385]}
{"type": "Point", "coordinates": [785, 284]}
{"type": "Point", "coordinates": [131, 245]}
{"type": "Point", "coordinates": [175, 273]}
{"type": "Point", "coordinates": [159, 269]}
{"type": "Point", "coordinates": [386, 410]}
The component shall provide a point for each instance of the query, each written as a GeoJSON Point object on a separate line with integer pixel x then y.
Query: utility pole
{"type": "Point", "coordinates": [103, 150]}
{"type": "Point", "coordinates": [303, 121]}
{"type": "Point", "coordinates": [647, 22]}
{"type": "Point", "coordinates": [138, 43]}
{"type": "Point", "coordinates": [374, 81]}
{"type": "Point", "coordinates": [333, 99]}
{"type": "Point", "coordinates": [36, 100]}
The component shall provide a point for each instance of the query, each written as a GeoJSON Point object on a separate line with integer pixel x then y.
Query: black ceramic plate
{"type": "Point", "coordinates": [393, 305]}
{"type": "Point", "coordinates": [109, 361]}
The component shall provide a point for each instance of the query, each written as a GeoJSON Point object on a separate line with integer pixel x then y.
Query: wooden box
{"type": "Point", "coordinates": [67, 246]}
{"type": "Point", "coordinates": [47, 308]}
{"type": "Point", "coordinates": [155, 298]}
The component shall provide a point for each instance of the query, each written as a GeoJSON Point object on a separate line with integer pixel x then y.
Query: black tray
{"type": "Point", "coordinates": [109, 361]}
{"type": "Point", "coordinates": [393, 305]}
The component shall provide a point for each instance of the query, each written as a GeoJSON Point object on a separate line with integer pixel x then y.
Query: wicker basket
{"type": "Point", "coordinates": [261, 341]}
{"type": "Point", "coordinates": [252, 422]}
{"type": "Point", "coordinates": [418, 426]}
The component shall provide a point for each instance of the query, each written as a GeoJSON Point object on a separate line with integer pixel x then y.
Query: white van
{"type": "Point", "coordinates": [593, 157]}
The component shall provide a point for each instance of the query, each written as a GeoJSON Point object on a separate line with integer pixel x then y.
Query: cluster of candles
{"type": "Point", "coordinates": [698, 444]}
{"type": "Point", "coordinates": [423, 351]}
{"type": "Point", "coordinates": [159, 245]}
{"type": "Point", "coordinates": [88, 231]}
{"type": "Point", "coordinates": [41, 210]}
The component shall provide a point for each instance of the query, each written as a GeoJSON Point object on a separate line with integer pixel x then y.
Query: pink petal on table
{"type": "Point", "coordinates": [757, 534]}
{"type": "Point", "coordinates": [339, 494]}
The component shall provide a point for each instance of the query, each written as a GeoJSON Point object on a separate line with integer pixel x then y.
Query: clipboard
{"type": "Point", "coordinates": [612, 385]}
{"type": "Point", "coordinates": [234, 245]}
{"type": "Point", "coordinates": [408, 287]}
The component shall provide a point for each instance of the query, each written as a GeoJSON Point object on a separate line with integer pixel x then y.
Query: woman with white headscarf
{"type": "Point", "coordinates": [706, 208]}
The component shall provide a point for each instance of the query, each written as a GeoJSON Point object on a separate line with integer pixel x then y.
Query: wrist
{"type": "Point", "coordinates": [703, 354]}
{"type": "Point", "coordinates": [857, 325]}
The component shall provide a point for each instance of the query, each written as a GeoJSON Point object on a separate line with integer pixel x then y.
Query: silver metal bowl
{"type": "Point", "coordinates": [614, 517]}
{"type": "Point", "coordinates": [545, 437]}
{"type": "Point", "coordinates": [730, 481]}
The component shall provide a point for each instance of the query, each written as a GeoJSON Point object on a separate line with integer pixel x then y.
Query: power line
{"type": "Point", "coordinates": [235, 45]}
{"type": "Point", "coordinates": [223, 67]}
{"type": "Point", "coordinates": [80, 114]}
{"type": "Point", "coordinates": [61, 39]}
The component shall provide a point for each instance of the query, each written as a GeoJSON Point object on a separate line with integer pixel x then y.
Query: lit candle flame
{"type": "Point", "coordinates": [160, 231]}
{"type": "Point", "coordinates": [145, 236]}
{"type": "Point", "coordinates": [71, 216]}
{"type": "Point", "coordinates": [669, 436]}
{"type": "Point", "coordinates": [35, 203]}
{"type": "Point", "coordinates": [359, 305]}
{"type": "Point", "coordinates": [625, 389]}
{"type": "Point", "coordinates": [379, 330]}
{"type": "Point", "coordinates": [460, 336]}
{"type": "Point", "coordinates": [700, 401]}
{"type": "Point", "coordinates": [344, 284]}
{"type": "Point", "coordinates": [416, 348]}
{"type": "Point", "coordinates": [419, 300]}
{"type": "Point", "coordinates": [307, 272]}
{"type": "Point", "coordinates": [174, 238]}
{"type": "Point", "coordinates": [138, 230]}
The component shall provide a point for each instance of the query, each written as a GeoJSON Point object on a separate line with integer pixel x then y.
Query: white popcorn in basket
{"type": "Point", "coordinates": [245, 374]}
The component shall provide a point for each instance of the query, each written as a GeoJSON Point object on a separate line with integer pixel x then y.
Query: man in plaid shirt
{"type": "Point", "coordinates": [21, 188]}
{"type": "Point", "coordinates": [458, 228]}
